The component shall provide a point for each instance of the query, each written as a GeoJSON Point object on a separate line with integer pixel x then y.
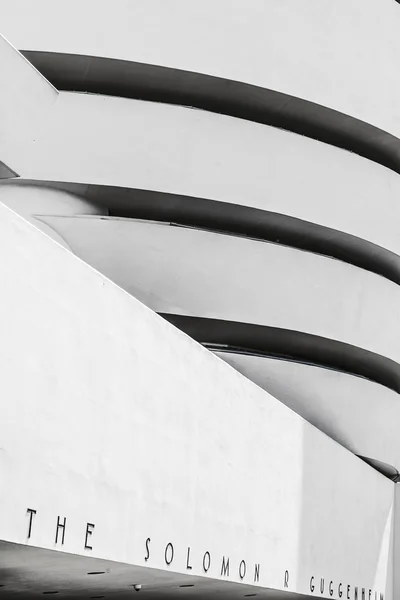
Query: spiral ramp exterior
{"type": "Point", "coordinates": [234, 168]}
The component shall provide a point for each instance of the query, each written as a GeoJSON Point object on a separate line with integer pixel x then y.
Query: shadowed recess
{"type": "Point", "coordinates": [387, 470]}
{"type": "Point", "coordinates": [113, 77]}
{"type": "Point", "coordinates": [231, 336]}
{"type": "Point", "coordinates": [238, 220]}
{"type": "Point", "coordinates": [6, 172]}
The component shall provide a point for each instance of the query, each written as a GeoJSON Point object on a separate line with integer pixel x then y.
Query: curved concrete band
{"type": "Point", "coordinates": [351, 410]}
{"type": "Point", "coordinates": [221, 335]}
{"type": "Point", "coordinates": [303, 50]}
{"type": "Point", "coordinates": [210, 275]}
{"type": "Point", "coordinates": [204, 274]}
{"type": "Point", "coordinates": [235, 219]}
{"type": "Point", "coordinates": [153, 83]}
{"type": "Point", "coordinates": [198, 154]}
{"type": "Point", "coordinates": [331, 398]}
{"type": "Point", "coordinates": [213, 276]}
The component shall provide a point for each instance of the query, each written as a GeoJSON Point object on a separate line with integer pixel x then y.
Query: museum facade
{"type": "Point", "coordinates": [201, 260]}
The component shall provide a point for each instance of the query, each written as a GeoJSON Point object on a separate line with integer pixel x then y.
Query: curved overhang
{"type": "Point", "coordinates": [235, 219]}
{"type": "Point", "coordinates": [152, 146]}
{"type": "Point", "coordinates": [342, 54]}
{"type": "Point", "coordinates": [350, 409]}
{"type": "Point", "coordinates": [221, 335]}
{"type": "Point", "coordinates": [206, 275]}
{"type": "Point", "coordinates": [106, 76]}
{"type": "Point", "coordinates": [199, 273]}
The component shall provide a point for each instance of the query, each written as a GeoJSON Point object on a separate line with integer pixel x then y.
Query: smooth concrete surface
{"type": "Point", "coordinates": [154, 83]}
{"type": "Point", "coordinates": [198, 273]}
{"type": "Point", "coordinates": [81, 138]}
{"type": "Point", "coordinates": [122, 439]}
{"type": "Point", "coordinates": [144, 145]}
{"type": "Point", "coordinates": [361, 415]}
{"type": "Point", "coordinates": [26, 100]}
{"type": "Point", "coordinates": [40, 201]}
{"type": "Point", "coordinates": [341, 54]}
{"type": "Point", "coordinates": [222, 217]}
{"type": "Point", "coordinates": [130, 430]}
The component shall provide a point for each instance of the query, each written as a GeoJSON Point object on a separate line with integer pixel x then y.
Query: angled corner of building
{"type": "Point", "coordinates": [200, 362]}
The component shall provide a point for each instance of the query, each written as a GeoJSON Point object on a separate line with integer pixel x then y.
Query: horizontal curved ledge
{"type": "Point", "coordinates": [291, 345]}
{"type": "Point", "coordinates": [238, 220]}
{"type": "Point", "coordinates": [73, 72]}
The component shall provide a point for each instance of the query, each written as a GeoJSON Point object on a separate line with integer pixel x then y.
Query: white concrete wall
{"type": "Point", "coordinates": [25, 101]}
{"type": "Point", "coordinates": [113, 141]}
{"type": "Point", "coordinates": [89, 139]}
{"type": "Point", "coordinates": [111, 416]}
{"type": "Point", "coordinates": [92, 139]}
{"type": "Point", "coordinates": [38, 201]}
{"type": "Point", "coordinates": [358, 413]}
{"type": "Point", "coordinates": [341, 54]}
{"type": "Point", "coordinates": [198, 273]}
{"type": "Point", "coordinates": [35, 201]}
{"type": "Point", "coordinates": [108, 413]}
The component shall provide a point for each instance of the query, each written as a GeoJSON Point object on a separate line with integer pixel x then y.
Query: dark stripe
{"type": "Point", "coordinates": [173, 86]}
{"type": "Point", "coordinates": [238, 220]}
{"type": "Point", "coordinates": [387, 470]}
{"type": "Point", "coordinates": [291, 345]}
